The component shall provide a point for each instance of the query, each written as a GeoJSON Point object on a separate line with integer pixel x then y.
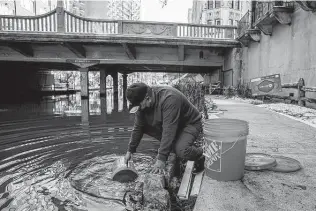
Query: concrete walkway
{"type": "Point", "coordinates": [269, 191]}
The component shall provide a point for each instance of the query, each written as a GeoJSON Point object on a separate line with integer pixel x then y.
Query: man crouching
{"type": "Point", "coordinates": [166, 114]}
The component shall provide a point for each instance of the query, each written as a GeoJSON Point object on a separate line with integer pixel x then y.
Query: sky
{"type": "Point", "coordinates": [174, 11]}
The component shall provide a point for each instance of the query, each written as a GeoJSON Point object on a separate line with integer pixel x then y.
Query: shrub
{"type": "Point", "coordinates": [229, 91]}
{"type": "Point", "coordinates": [243, 90]}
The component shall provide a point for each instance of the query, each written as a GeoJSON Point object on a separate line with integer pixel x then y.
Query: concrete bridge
{"type": "Point", "coordinates": [61, 40]}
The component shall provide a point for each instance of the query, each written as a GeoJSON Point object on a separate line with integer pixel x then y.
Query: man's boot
{"type": "Point", "coordinates": [199, 165]}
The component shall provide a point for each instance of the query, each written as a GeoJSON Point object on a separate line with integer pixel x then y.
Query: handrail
{"type": "Point", "coordinates": [213, 26]}
{"type": "Point", "coordinates": [90, 19]}
{"type": "Point", "coordinates": [40, 23]}
{"type": "Point", "coordinates": [61, 21]}
{"type": "Point", "coordinates": [30, 17]}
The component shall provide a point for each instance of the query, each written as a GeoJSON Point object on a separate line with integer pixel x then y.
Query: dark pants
{"type": "Point", "coordinates": [184, 146]}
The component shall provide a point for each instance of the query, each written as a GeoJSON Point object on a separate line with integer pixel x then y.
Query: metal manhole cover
{"type": "Point", "coordinates": [259, 161]}
{"type": "Point", "coordinates": [286, 164]}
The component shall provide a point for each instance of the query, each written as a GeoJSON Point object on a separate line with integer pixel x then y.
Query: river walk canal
{"type": "Point", "coordinates": [51, 160]}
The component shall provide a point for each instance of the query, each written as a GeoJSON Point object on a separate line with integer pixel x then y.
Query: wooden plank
{"type": "Point", "coordinates": [184, 189]}
{"type": "Point", "coordinates": [197, 184]}
{"type": "Point", "coordinates": [290, 85]}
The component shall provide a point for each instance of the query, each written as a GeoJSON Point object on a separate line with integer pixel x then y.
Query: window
{"type": "Point", "coordinates": [237, 5]}
{"type": "Point", "coordinates": [231, 4]}
{"type": "Point", "coordinates": [218, 4]}
{"type": "Point", "coordinates": [231, 22]}
{"type": "Point", "coordinates": [210, 22]}
{"type": "Point", "coordinates": [217, 22]}
{"type": "Point", "coordinates": [210, 4]}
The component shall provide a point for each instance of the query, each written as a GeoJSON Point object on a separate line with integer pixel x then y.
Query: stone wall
{"type": "Point", "coordinates": [290, 52]}
{"type": "Point", "coordinates": [232, 64]}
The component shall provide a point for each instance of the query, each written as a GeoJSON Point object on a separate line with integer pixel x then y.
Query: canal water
{"type": "Point", "coordinates": [51, 158]}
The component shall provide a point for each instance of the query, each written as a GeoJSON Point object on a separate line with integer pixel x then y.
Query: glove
{"type": "Point", "coordinates": [128, 157]}
{"type": "Point", "coordinates": [159, 167]}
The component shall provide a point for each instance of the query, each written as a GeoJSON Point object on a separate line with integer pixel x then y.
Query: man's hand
{"type": "Point", "coordinates": [128, 157]}
{"type": "Point", "coordinates": [159, 167]}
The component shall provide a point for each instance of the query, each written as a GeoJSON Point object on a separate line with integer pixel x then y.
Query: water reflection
{"type": "Point", "coordinates": [71, 105]}
{"type": "Point", "coordinates": [50, 160]}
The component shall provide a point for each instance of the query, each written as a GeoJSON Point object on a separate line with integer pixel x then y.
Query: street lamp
{"type": "Point", "coordinates": [14, 2]}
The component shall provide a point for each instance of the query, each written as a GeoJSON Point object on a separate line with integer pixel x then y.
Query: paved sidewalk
{"type": "Point", "coordinates": [266, 191]}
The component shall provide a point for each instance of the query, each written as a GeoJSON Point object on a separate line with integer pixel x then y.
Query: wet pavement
{"type": "Point", "coordinates": [51, 158]}
{"type": "Point", "coordinates": [276, 135]}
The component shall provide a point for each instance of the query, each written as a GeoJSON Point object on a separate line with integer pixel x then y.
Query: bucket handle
{"type": "Point", "coordinates": [232, 145]}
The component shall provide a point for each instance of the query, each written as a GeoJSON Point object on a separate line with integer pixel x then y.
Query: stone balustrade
{"type": "Point", "coordinates": [62, 21]}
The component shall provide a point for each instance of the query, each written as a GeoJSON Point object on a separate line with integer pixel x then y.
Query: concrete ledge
{"type": "Point", "coordinates": [94, 38]}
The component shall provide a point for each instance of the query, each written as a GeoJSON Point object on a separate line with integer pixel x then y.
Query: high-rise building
{"type": "Point", "coordinates": [190, 15]}
{"type": "Point", "coordinates": [214, 12]}
{"type": "Point", "coordinates": [124, 9]}
{"type": "Point", "coordinates": [197, 9]}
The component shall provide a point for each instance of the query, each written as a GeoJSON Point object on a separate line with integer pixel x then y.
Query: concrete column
{"type": "Point", "coordinates": [103, 75]}
{"type": "Point", "coordinates": [115, 90]}
{"type": "Point", "coordinates": [237, 66]}
{"type": "Point", "coordinates": [103, 107]}
{"type": "Point", "coordinates": [60, 16]}
{"type": "Point", "coordinates": [124, 91]}
{"type": "Point", "coordinates": [84, 82]}
{"type": "Point", "coordinates": [85, 111]}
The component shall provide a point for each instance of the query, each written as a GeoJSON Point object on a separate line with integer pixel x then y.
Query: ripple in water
{"type": "Point", "coordinates": [87, 187]}
{"type": "Point", "coordinates": [53, 163]}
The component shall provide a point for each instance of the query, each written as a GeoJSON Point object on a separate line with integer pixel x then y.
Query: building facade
{"type": "Point", "coordinates": [190, 15]}
{"type": "Point", "coordinates": [124, 9]}
{"type": "Point", "coordinates": [215, 12]}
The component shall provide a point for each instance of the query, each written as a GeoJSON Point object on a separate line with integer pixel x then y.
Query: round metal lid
{"type": "Point", "coordinates": [286, 164]}
{"type": "Point", "coordinates": [259, 161]}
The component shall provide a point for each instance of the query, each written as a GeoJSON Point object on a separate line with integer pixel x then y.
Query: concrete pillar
{"type": "Point", "coordinates": [84, 82]}
{"type": "Point", "coordinates": [103, 75]}
{"type": "Point", "coordinates": [103, 108]}
{"type": "Point", "coordinates": [115, 90]}
{"type": "Point", "coordinates": [237, 55]}
{"type": "Point", "coordinates": [85, 111]}
{"type": "Point", "coordinates": [124, 91]}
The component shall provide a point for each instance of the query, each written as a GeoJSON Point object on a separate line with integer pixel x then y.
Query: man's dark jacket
{"type": "Point", "coordinates": [170, 113]}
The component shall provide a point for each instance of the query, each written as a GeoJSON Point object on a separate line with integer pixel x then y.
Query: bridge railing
{"type": "Point", "coordinates": [40, 23]}
{"type": "Point", "coordinates": [77, 24]}
{"type": "Point", "coordinates": [62, 21]}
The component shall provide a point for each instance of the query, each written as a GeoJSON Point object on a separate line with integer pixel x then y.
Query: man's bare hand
{"type": "Point", "coordinates": [128, 157]}
{"type": "Point", "coordinates": [159, 167]}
